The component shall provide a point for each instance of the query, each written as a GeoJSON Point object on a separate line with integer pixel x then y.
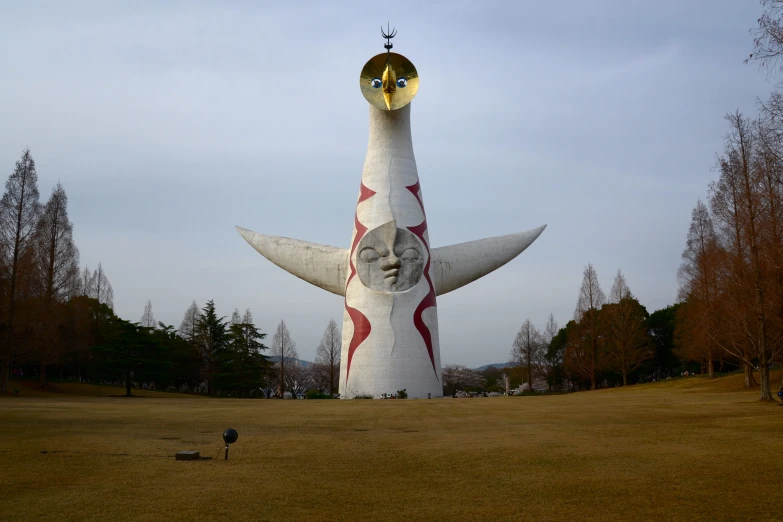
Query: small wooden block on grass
{"type": "Point", "coordinates": [188, 455]}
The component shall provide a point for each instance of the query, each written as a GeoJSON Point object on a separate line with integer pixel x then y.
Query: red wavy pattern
{"type": "Point", "coordinates": [361, 325]}
{"type": "Point", "coordinates": [416, 191]}
{"type": "Point", "coordinates": [429, 299]}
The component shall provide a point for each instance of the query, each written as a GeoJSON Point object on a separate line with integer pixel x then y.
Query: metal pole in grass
{"type": "Point", "coordinates": [229, 437]}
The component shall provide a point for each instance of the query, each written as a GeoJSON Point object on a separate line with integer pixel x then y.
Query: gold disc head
{"type": "Point", "coordinates": [389, 81]}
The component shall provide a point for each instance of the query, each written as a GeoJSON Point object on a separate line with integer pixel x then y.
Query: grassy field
{"type": "Point", "coordinates": [677, 450]}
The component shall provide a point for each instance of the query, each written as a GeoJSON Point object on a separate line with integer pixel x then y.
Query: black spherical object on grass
{"type": "Point", "coordinates": [230, 436]}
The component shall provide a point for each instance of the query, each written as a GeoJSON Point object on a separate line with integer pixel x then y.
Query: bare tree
{"type": "Point", "coordinates": [298, 378]}
{"type": "Point", "coordinates": [19, 209]}
{"type": "Point", "coordinates": [73, 288]}
{"type": "Point", "coordinates": [86, 282]}
{"type": "Point", "coordinates": [591, 297]}
{"type": "Point", "coordinates": [56, 270]}
{"type": "Point", "coordinates": [147, 319]}
{"type": "Point", "coordinates": [550, 359]}
{"type": "Point", "coordinates": [235, 318]}
{"type": "Point", "coordinates": [57, 257]}
{"type": "Point", "coordinates": [187, 328]}
{"type": "Point", "coordinates": [458, 377]}
{"type": "Point", "coordinates": [582, 355]}
{"type": "Point", "coordinates": [770, 172]}
{"type": "Point", "coordinates": [619, 289]}
{"type": "Point", "coordinates": [741, 154]}
{"type": "Point", "coordinates": [327, 357]}
{"type": "Point", "coordinates": [768, 36]}
{"type": "Point", "coordinates": [550, 330]}
{"type": "Point", "coordinates": [527, 350]}
{"type": "Point", "coordinates": [268, 388]}
{"type": "Point", "coordinates": [697, 277]}
{"type": "Point", "coordinates": [284, 352]}
{"type": "Point", "coordinates": [101, 287]}
{"type": "Point", "coordinates": [628, 344]}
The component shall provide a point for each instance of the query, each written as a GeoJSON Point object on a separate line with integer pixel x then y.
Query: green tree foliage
{"type": "Point", "coordinates": [242, 365]}
{"type": "Point", "coordinates": [176, 362]}
{"type": "Point", "coordinates": [661, 328]}
{"type": "Point", "coordinates": [125, 349]}
{"type": "Point", "coordinates": [212, 340]}
{"type": "Point", "coordinates": [555, 372]}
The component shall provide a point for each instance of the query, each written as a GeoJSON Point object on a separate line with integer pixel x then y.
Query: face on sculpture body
{"type": "Point", "coordinates": [390, 259]}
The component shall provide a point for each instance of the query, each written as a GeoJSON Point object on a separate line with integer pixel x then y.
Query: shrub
{"type": "Point", "coordinates": [402, 394]}
{"type": "Point", "coordinates": [363, 396]}
{"type": "Point", "coordinates": [316, 394]}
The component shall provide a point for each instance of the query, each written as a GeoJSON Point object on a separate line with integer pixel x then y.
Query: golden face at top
{"type": "Point", "coordinates": [389, 81]}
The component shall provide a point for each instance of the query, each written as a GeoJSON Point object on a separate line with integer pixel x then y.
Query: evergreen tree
{"type": "Point", "coordinates": [127, 349]}
{"type": "Point", "coordinates": [211, 337]}
{"type": "Point", "coordinates": [662, 323]}
{"type": "Point", "coordinates": [242, 365]}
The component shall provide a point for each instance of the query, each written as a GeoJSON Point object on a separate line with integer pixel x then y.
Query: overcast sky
{"type": "Point", "coordinates": [170, 122]}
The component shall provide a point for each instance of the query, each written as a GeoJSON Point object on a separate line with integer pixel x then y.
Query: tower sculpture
{"type": "Point", "coordinates": [390, 276]}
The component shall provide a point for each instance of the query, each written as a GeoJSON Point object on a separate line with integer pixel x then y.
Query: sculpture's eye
{"type": "Point", "coordinates": [369, 255]}
{"type": "Point", "coordinates": [402, 82]}
{"type": "Point", "coordinates": [411, 255]}
{"type": "Point", "coordinates": [376, 83]}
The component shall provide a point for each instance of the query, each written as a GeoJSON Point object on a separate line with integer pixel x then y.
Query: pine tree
{"type": "Point", "coordinates": [212, 339]}
{"type": "Point", "coordinates": [243, 365]}
{"type": "Point", "coordinates": [528, 350]}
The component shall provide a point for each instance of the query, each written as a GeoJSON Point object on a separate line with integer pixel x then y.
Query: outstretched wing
{"type": "Point", "coordinates": [457, 265]}
{"type": "Point", "coordinates": [324, 266]}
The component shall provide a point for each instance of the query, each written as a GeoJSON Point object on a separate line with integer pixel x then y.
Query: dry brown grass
{"type": "Point", "coordinates": [684, 450]}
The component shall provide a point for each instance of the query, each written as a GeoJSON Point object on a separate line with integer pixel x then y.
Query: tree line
{"type": "Point", "coordinates": [713, 327]}
{"type": "Point", "coordinates": [41, 287]}
{"type": "Point", "coordinates": [729, 310]}
{"type": "Point", "coordinates": [208, 354]}
{"type": "Point", "coordinates": [731, 277]}
{"type": "Point", "coordinates": [609, 342]}
{"type": "Point", "coordinates": [56, 317]}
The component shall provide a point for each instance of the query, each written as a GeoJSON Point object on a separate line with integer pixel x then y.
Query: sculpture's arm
{"type": "Point", "coordinates": [322, 265]}
{"type": "Point", "coordinates": [457, 265]}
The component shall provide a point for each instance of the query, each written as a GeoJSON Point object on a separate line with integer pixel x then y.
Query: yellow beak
{"type": "Point", "coordinates": [389, 85]}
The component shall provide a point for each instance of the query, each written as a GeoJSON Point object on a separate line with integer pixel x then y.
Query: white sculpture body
{"type": "Point", "coordinates": [390, 325]}
{"type": "Point", "coordinates": [390, 276]}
